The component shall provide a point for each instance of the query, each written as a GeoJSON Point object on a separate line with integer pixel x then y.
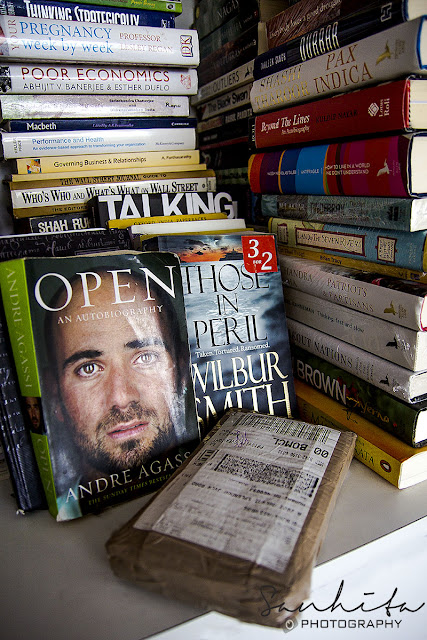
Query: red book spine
{"type": "Point", "coordinates": [382, 108]}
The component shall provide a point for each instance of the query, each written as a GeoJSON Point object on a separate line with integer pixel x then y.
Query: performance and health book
{"type": "Point", "coordinates": [390, 166]}
{"type": "Point", "coordinates": [60, 40]}
{"type": "Point", "coordinates": [390, 54]}
{"type": "Point", "coordinates": [403, 383]}
{"type": "Point", "coordinates": [400, 105]}
{"type": "Point", "coordinates": [19, 78]}
{"type": "Point", "coordinates": [406, 249]}
{"type": "Point", "coordinates": [392, 299]}
{"type": "Point", "coordinates": [102, 340]}
{"type": "Point", "coordinates": [236, 322]}
{"type": "Point", "coordinates": [21, 145]}
{"type": "Point", "coordinates": [395, 461]}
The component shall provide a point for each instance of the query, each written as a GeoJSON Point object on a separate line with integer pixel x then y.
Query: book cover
{"type": "Point", "coordinates": [395, 461]}
{"type": "Point", "coordinates": [73, 11]}
{"type": "Point", "coordinates": [400, 214]}
{"type": "Point", "coordinates": [405, 421]}
{"type": "Point", "coordinates": [21, 145]}
{"type": "Point", "coordinates": [388, 166]}
{"type": "Point", "coordinates": [400, 345]}
{"type": "Point", "coordinates": [121, 160]}
{"type": "Point", "coordinates": [387, 55]}
{"type": "Point", "coordinates": [31, 107]}
{"type": "Point", "coordinates": [236, 322]}
{"type": "Point", "coordinates": [400, 105]}
{"type": "Point", "coordinates": [31, 198]}
{"type": "Point", "coordinates": [392, 299]}
{"type": "Point", "coordinates": [383, 246]}
{"type": "Point", "coordinates": [106, 207]}
{"type": "Point", "coordinates": [399, 381]}
{"type": "Point", "coordinates": [44, 40]}
{"type": "Point", "coordinates": [228, 81]}
{"type": "Point", "coordinates": [335, 33]}
{"type": "Point", "coordinates": [308, 15]}
{"type": "Point", "coordinates": [26, 78]}
{"type": "Point", "coordinates": [106, 350]}
{"type": "Point", "coordinates": [98, 124]}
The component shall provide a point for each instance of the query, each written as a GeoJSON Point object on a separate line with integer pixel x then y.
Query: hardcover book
{"type": "Point", "coordinates": [394, 460]}
{"type": "Point", "coordinates": [80, 79]}
{"type": "Point", "coordinates": [239, 530]}
{"type": "Point", "coordinates": [102, 340]}
{"type": "Point", "coordinates": [226, 82]}
{"type": "Point", "coordinates": [208, 15]}
{"type": "Point", "coordinates": [44, 40]}
{"type": "Point", "coordinates": [387, 55]}
{"type": "Point", "coordinates": [236, 323]}
{"type": "Point", "coordinates": [373, 166]}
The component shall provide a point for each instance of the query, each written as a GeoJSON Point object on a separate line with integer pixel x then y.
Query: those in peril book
{"type": "Point", "coordinates": [102, 339]}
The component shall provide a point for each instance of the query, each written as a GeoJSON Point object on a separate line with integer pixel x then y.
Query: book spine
{"type": "Point", "coordinates": [232, 54]}
{"type": "Point", "coordinates": [149, 5]}
{"type": "Point", "coordinates": [208, 15]}
{"type": "Point", "coordinates": [395, 248]}
{"type": "Point", "coordinates": [121, 160]}
{"type": "Point", "coordinates": [226, 102]}
{"type": "Point", "coordinates": [229, 81]}
{"type": "Point", "coordinates": [72, 11]}
{"type": "Point", "coordinates": [390, 299]}
{"type": "Point", "coordinates": [164, 205]}
{"type": "Point", "coordinates": [51, 224]}
{"type": "Point", "coordinates": [68, 199]}
{"type": "Point", "coordinates": [126, 223]}
{"type": "Point", "coordinates": [230, 30]}
{"type": "Point", "coordinates": [111, 141]}
{"type": "Point", "coordinates": [358, 396]}
{"type": "Point", "coordinates": [308, 16]}
{"type": "Point", "coordinates": [400, 214]}
{"type": "Point", "coordinates": [372, 60]}
{"type": "Point", "coordinates": [26, 78]}
{"type": "Point", "coordinates": [71, 178]}
{"type": "Point", "coordinates": [336, 117]}
{"type": "Point", "coordinates": [362, 167]}
{"type": "Point", "coordinates": [33, 38]}
{"type": "Point", "coordinates": [30, 107]}
{"type": "Point", "coordinates": [372, 456]}
{"type": "Point", "coordinates": [332, 35]}
{"type": "Point", "coordinates": [404, 347]}
{"type": "Point", "coordinates": [99, 124]}
{"type": "Point", "coordinates": [225, 156]}
{"type": "Point", "coordinates": [235, 125]}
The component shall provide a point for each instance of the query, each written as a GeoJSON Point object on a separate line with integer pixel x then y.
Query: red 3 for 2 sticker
{"type": "Point", "coordinates": [259, 254]}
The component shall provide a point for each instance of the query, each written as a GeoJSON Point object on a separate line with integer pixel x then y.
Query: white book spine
{"type": "Point", "coordinates": [384, 56]}
{"type": "Point", "coordinates": [405, 347]}
{"type": "Point", "coordinates": [54, 79]}
{"type": "Point", "coordinates": [391, 378]}
{"type": "Point", "coordinates": [30, 145]}
{"type": "Point", "coordinates": [21, 107]}
{"type": "Point", "coordinates": [343, 287]}
{"type": "Point", "coordinates": [35, 38]}
{"type": "Point", "coordinates": [50, 196]}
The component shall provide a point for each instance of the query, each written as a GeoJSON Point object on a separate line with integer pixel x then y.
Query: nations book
{"type": "Point", "coordinates": [373, 166]}
{"type": "Point", "coordinates": [395, 461]}
{"type": "Point", "coordinates": [236, 323]}
{"type": "Point", "coordinates": [61, 40]}
{"type": "Point", "coordinates": [80, 79]}
{"type": "Point", "coordinates": [102, 340]}
{"type": "Point", "coordinates": [387, 55]}
{"type": "Point", "coordinates": [400, 105]}
{"type": "Point", "coordinates": [403, 383]}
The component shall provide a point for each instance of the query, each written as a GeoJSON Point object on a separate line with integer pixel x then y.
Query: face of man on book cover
{"type": "Point", "coordinates": [117, 376]}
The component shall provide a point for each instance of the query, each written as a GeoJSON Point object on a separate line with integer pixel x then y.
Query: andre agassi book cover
{"type": "Point", "coordinates": [102, 340]}
{"type": "Point", "coordinates": [236, 322]}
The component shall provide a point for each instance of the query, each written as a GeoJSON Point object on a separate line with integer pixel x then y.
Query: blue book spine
{"type": "Point", "coordinates": [72, 11]}
{"type": "Point", "coordinates": [377, 17]}
{"type": "Point", "coordinates": [95, 124]}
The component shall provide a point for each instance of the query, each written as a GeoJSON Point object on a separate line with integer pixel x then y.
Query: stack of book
{"type": "Point", "coordinates": [231, 36]}
{"type": "Point", "coordinates": [97, 102]}
{"type": "Point", "coordinates": [340, 135]}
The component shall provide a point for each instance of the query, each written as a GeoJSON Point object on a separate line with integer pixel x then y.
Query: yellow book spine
{"type": "Point", "coordinates": [128, 222]}
{"type": "Point", "coordinates": [166, 169]}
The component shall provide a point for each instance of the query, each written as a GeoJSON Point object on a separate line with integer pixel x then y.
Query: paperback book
{"type": "Point", "coordinates": [60, 40]}
{"type": "Point", "coordinates": [98, 124]}
{"type": "Point", "coordinates": [229, 81]}
{"type": "Point", "coordinates": [236, 322]}
{"type": "Point", "coordinates": [80, 79]}
{"type": "Point", "coordinates": [116, 394]}
{"type": "Point", "coordinates": [152, 5]}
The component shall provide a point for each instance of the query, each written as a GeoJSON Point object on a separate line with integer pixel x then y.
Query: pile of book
{"type": "Point", "coordinates": [338, 168]}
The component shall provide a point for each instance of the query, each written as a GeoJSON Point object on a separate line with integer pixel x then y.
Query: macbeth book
{"type": "Point", "coordinates": [102, 340]}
